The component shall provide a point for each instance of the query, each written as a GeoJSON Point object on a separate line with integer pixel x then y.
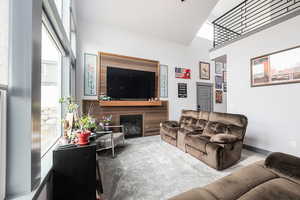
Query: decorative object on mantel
{"type": "Point", "coordinates": [90, 74]}
{"type": "Point", "coordinates": [182, 73]}
{"type": "Point", "coordinates": [163, 81]}
{"type": "Point", "coordinates": [219, 82]}
{"type": "Point", "coordinates": [281, 67]}
{"type": "Point", "coordinates": [182, 90]}
{"type": "Point", "coordinates": [218, 67]}
{"type": "Point", "coordinates": [103, 97]}
{"type": "Point", "coordinates": [219, 96]}
{"type": "Point", "coordinates": [204, 70]}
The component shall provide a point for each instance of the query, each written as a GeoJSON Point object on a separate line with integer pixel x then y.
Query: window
{"type": "Point", "coordinates": [4, 42]}
{"type": "Point", "coordinates": [66, 15]}
{"type": "Point", "coordinates": [50, 91]}
{"type": "Point", "coordinates": [73, 35]}
{"type": "Point", "coordinates": [206, 31]}
{"type": "Point", "coordinates": [59, 6]}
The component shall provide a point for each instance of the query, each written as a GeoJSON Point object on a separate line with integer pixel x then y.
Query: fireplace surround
{"type": "Point", "coordinates": [133, 125]}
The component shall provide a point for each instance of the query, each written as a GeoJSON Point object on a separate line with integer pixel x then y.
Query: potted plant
{"type": "Point", "coordinates": [106, 121]}
{"type": "Point", "coordinates": [86, 124]}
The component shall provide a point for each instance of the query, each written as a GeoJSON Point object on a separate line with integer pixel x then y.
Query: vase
{"type": "Point", "coordinates": [83, 137]}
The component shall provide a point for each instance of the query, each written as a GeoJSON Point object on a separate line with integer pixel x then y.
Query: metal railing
{"type": "Point", "coordinates": [248, 16]}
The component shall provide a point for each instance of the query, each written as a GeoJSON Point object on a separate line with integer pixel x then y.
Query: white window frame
{"type": "Point", "coordinates": [3, 112]}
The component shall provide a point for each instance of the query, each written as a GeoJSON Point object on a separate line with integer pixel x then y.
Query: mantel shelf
{"type": "Point", "coordinates": [129, 103]}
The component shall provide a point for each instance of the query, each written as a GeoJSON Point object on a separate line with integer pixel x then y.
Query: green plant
{"type": "Point", "coordinates": [71, 105]}
{"type": "Point", "coordinates": [86, 123]}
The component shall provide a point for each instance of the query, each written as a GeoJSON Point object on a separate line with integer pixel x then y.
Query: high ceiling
{"type": "Point", "coordinates": [171, 20]}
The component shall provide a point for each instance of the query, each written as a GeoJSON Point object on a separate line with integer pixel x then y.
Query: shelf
{"type": "Point", "coordinates": [129, 103]}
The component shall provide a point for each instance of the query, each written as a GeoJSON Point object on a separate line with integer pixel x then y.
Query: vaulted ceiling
{"type": "Point", "coordinates": [171, 20]}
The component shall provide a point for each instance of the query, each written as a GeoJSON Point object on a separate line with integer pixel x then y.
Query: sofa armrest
{"type": "Point", "coordinates": [286, 165]}
{"type": "Point", "coordinates": [170, 124]}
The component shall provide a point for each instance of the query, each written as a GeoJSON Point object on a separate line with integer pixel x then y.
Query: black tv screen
{"type": "Point", "coordinates": [127, 84]}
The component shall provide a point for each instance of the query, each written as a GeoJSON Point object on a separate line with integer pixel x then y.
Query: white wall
{"type": "Point", "coordinates": [273, 111]}
{"type": "Point", "coordinates": [94, 38]}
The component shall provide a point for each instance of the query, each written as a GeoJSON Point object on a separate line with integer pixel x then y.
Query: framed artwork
{"type": "Point", "coordinates": [219, 96]}
{"type": "Point", "coordinates": [224, 76]}
{"type": "Point", "coordinates": [163, 81]}
{"type": "Point", "coordinates": [204, 69]}
{"type": "Point", "coordinates": [281, 67]}
{"type": "Point", "coordinates": [90, 74]}
{"type": "Point", "coordinates": [182, 73]}
{"type": "Point", "coordinates": [225, 87]}
{"type": "Point", "coordinates": [218, 67]}
{"type": "Point", "coordinates": [218, 82]}
{"type": "Point", "coordinates": [182, 90]}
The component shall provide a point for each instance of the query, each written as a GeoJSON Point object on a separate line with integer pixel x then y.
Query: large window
{"type": "Point", "coordinates": [4, 42]}
{"type": "Point", "coordinates": [50, 91]}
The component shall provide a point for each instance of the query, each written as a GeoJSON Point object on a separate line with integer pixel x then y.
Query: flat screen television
{"type": "Point", "coordinates": [127, 84]}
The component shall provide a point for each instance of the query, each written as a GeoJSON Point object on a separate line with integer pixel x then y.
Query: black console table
{"type": "Point", "coordinates": [75, 172]}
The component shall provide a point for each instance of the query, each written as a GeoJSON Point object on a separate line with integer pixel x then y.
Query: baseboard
{"type": "Point", "coordinates": [257, 150]}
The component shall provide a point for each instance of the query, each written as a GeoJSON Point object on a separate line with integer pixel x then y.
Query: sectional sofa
{"type": "Point", "coordinates": [214, 138]}
{"type": "Point", "coordinates": [276, 178]}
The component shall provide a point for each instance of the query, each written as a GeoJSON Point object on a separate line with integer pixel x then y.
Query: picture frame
{"type": "Point", "coordinates": [225, 87]}
{"type": "Point", "coordinates": [218, 82]}
{"type": "Point", "coordinates": [182, 73]}
{"type": "Point", "coordinates": [164, 81]}
{"type": "Point", "coordinates": [219, 67]}
{"type": "Point", "coordinates": [281, 67]}
{"type": "Point", "coordinates": [90, 74]}
{"type": "Point", "coordinates": [204, 70]}
{"type": "Point", "coordinates": [182, 90]}
{"type": "Point", "coordinates": [219, 96]}
{"type": "Point", "coordinates": [224, 76]}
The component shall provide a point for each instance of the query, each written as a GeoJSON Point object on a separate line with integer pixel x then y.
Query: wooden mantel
{"type": "Point", "coordinates": [129, 103]}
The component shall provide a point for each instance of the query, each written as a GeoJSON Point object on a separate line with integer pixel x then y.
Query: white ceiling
{"type": "Point", "coordinates": [222, 7]}
{"type": "Point", "coordinates": [166, 19]}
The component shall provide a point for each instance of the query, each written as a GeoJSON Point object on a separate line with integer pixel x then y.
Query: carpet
{"type": "Point", "coordinates": [149, 169]}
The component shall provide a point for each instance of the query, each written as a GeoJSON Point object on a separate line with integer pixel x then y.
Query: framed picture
{"type": "Point", "coordinates": [218, 67]}
{"type": "Point", "coordinates": [219, 96]}
{"type": "Point", "coordinates": [163, 81]}
{"type": "Point", "coordinates": [281, 67]}
{"type": "Point", "coordinates": [182, 73]}
{"type": "Point", "coordinates": [182, 90]}
{"type": "Point", "coordinates": [219, 82]}
{"type": "Point", "coordinates": [225, 87]}
{"type": "Point", "coordinates": [224, 76]}
{"type": "Point", "coordinates": [204, 69]}
{"type": "Point", "coordinates": [90, 74]}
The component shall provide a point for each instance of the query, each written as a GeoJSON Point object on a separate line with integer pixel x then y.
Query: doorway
{"type": "Point", "coordinates": [205, 97]}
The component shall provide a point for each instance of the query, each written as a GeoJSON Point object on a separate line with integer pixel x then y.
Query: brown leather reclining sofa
{"type": "Point", "coordinates": [276, 178]}
{"type": "Point", "coordinates": [214, 138]}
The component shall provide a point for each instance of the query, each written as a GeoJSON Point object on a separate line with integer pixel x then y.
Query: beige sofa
{"type": "Point", "coordinates": [276, 178]}
{"type": "Point", "coordinates": [214, 138]}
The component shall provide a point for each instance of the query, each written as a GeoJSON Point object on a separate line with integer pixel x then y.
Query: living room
{"type": "Point", "coordinates": [179, 100]}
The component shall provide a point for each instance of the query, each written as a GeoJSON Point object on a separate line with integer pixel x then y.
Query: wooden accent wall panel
{"type": "Point", "coordinates": [125, 62]}
{"type": "Point", "coordinates": [152, 116]}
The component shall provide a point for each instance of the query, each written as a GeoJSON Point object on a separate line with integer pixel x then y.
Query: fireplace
{"type": "Point", "coordinates": [133, 125]}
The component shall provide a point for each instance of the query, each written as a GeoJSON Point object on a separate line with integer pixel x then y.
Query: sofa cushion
{"type": "Point", "coordinates": [201, 123]}
{"type": "Point", "coordinates": [277, 189]}
{"type": "Point", "coordinates": [198, 142]}
{"type": "Point", "coordinates": [224, 138]}
{"type": "Point", "coordinates": [213, 128]}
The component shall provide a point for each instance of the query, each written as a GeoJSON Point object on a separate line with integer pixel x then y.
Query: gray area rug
{"type": "Point", "coordinates": [150, 169]}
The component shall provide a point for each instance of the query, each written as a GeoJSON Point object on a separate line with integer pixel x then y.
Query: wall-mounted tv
{"type": "Point", "coordinates": [127, 84]}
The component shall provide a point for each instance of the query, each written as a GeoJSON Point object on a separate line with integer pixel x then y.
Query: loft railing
{"type": "Point", "coordinates": [248, 16]}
